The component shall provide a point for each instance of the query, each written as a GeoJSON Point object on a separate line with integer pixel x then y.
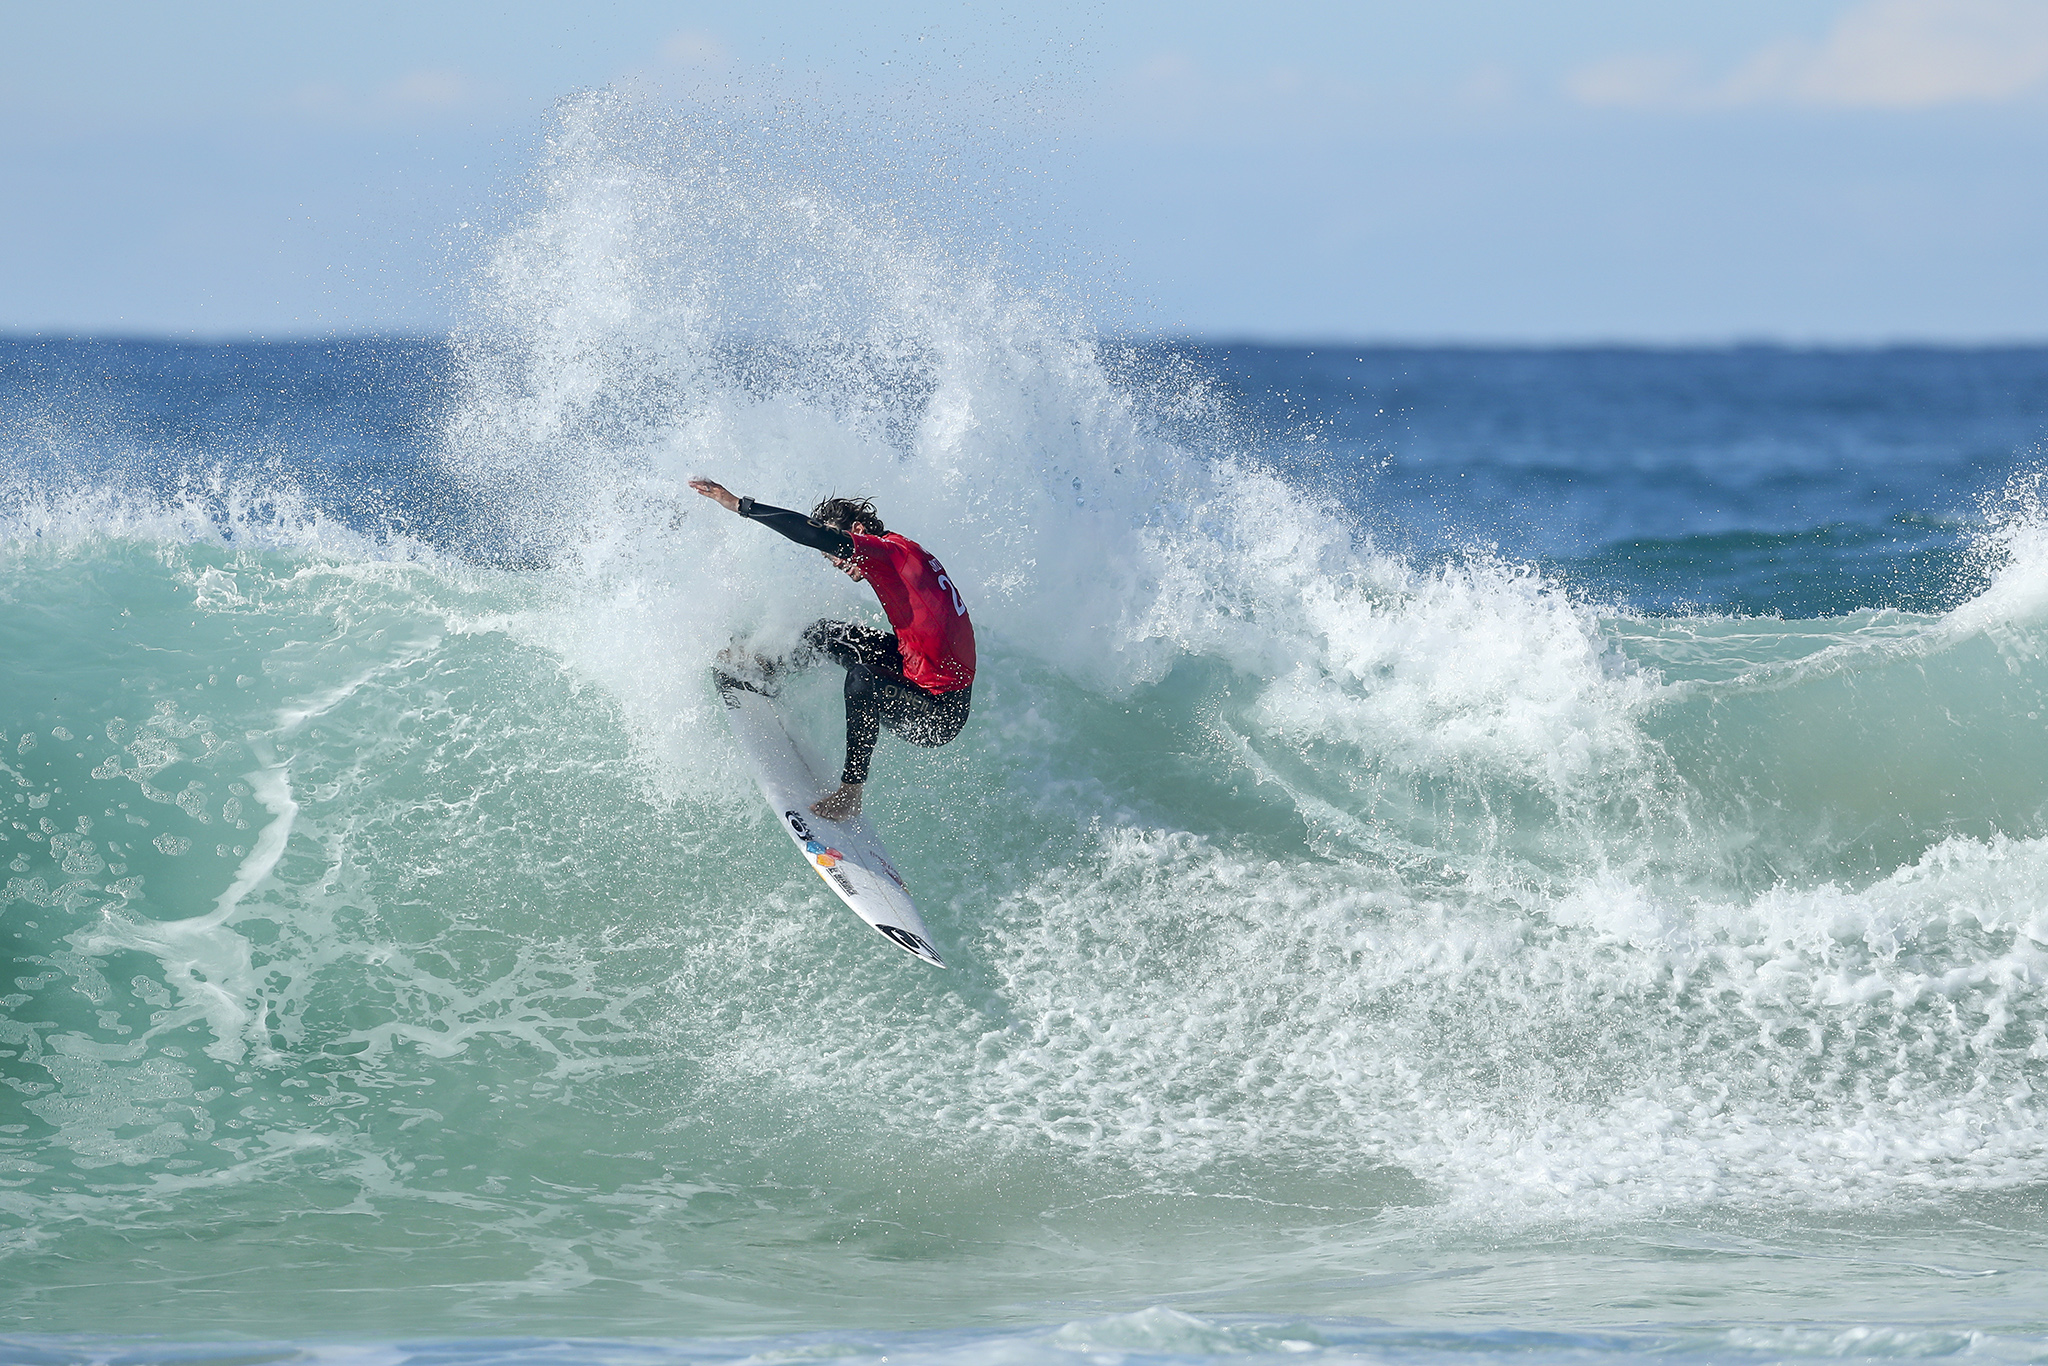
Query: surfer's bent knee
{"type": "Point", "coordinates": [818, 639]}
{"type": "Point", "coordinates": [942, 724]}
{"type": "Point", "coordinates": [862, 681]}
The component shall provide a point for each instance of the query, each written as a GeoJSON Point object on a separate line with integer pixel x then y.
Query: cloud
{"type": "Point", "coordinates": [1633, 79]}
{"type": "Point", "coordinates": [1882, 54]}
{"type": "Point", "coordinates": [1911, 54]}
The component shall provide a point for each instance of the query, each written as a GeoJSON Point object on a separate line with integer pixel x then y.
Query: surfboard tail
{"type": "Point", "coordinates": [911, 943]}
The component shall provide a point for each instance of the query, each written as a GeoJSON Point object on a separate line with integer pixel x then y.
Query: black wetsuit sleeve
{"type": "Point", "coordinates": [799, 528]}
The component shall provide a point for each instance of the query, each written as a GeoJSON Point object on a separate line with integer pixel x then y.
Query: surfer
{"type": "Point", "coordinates": [917, 681]}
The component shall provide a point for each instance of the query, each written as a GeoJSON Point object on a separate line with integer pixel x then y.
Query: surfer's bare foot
{"type": "Point", "coordinates": [837, 806]}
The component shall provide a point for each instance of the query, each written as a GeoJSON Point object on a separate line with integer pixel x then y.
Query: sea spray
{"type": "Point", "coordinates": [1336, 931]}
{"type": "Point", "coordinates": [1497, 776]}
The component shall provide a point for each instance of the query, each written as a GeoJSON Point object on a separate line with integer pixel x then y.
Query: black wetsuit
{"type": "Point", "coordinates": [877, 693]}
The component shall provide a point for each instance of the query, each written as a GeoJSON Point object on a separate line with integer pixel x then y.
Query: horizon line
{"type": "Point", "coordinates": [1219, 339]}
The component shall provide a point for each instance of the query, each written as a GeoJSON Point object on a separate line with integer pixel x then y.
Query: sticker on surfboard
{"type": "Point", "coordinates": [846, 855]}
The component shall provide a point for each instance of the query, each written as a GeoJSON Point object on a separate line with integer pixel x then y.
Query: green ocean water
{"type": "Point", "coordinates": [372, 974]}
{"type": "Point", "coordinates": [1362, 946]}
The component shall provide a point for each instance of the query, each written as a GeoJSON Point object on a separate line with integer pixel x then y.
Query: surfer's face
{"type": "Point", "coordinates": [848, 567]}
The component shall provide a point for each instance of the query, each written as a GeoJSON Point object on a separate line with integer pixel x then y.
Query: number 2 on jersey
{"type": "Point", "coordinates": [959, 607]}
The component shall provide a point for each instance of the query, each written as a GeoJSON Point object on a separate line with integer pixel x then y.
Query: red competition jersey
{"type": "Point", "coordinates": [930, 617]}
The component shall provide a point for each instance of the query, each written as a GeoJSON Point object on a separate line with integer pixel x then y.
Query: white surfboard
{"type": "Point", "coordinates": [846, 854]}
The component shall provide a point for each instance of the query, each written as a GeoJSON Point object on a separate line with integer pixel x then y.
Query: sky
{"type": "Point", "coordinates": [1805, 171]}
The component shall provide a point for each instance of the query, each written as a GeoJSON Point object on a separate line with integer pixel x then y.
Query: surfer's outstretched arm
{"type": "Point", "coordinates": [794, 525]}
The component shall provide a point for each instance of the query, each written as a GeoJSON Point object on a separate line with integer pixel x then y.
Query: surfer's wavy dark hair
{"type": "Point", "coordinates": [842, 513]}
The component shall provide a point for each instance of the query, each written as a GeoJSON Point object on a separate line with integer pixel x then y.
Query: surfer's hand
{"type": "Point", "coordinates": [711, 488]}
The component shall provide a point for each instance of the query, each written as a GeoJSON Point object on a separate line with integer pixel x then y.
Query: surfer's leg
{"type": "Point", "coordinates": [923, 719]}
{"type": "Point", "coordinates": [877, 698]}
{"type": "Point", "coordinates": [847, 644]}
{"type": "Point", "coordinates": [874, 672]}
{"type": "Point", "coordinates": [863, 725]}
{"type": "Point", "coordinates": [819, 638]}
{"type": "Point", "coordinates": [873, 665]}
{"type": "Point", "coordinates": [864, 691]}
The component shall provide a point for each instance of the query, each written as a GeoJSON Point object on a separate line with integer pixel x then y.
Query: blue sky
{"type": "Point", "coordinates": [1804, 170]}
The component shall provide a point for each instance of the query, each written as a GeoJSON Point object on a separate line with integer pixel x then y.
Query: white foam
{"type": "Point", "coordinates": [206, 507]}
{"type": "Point", "coordinates": [1521, 956]}
{"type": "Point", "coordinates": [2013, 608]}
{"type": "Point", "coordinates": [204, 958]}
{"type": "Point", "coordinates": [1545, 963]}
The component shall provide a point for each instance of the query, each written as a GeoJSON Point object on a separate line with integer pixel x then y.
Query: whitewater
{"type": "Point", "coordinates": [1431, 875]}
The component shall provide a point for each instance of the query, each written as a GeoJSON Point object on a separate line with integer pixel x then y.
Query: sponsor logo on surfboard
{"type": "Point", "coordinates": [915, 943]}
{"type": "Point", "coordinates": [796, 823]}
{"type": "Point", "coordinates": [889, 868]}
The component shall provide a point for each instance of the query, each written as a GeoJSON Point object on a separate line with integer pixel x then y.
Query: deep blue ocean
{"type": "Point", "coordinates": [1461, 854]}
